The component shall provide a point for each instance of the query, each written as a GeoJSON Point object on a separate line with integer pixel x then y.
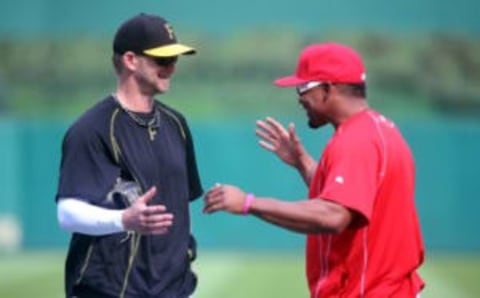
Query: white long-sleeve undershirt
{"type": "Point", "coordinates": [78, 216]}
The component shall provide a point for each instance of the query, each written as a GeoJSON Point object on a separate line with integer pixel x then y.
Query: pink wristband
{"type": "Point", "coordinates": [248, 202]}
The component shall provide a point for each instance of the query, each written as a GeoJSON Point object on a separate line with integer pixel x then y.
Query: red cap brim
{"type": "Point", "coordinates": [290, 81]}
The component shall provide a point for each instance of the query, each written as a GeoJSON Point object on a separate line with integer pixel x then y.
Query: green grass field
{"type": "Point", "coordinates": [235, 275]}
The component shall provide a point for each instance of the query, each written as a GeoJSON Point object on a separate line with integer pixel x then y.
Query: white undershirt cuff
{"type": "Point", "coordinates": [75, 215]}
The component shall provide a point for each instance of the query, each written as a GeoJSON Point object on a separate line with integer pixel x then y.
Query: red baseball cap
{"type": "Point", "coordinates": [326, 62]}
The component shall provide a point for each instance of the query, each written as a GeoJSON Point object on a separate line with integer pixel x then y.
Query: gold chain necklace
{"type": "Point", "coordinates": [152, 124]}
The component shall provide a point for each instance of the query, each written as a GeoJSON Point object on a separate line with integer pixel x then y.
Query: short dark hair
{"type": "Point", "coordinates": [117, 62]}
{"type": "Point", "coordinates": [354, 90]}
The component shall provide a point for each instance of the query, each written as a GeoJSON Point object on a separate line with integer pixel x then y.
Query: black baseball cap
{"type": "Point", "coordinates": [150, 35]}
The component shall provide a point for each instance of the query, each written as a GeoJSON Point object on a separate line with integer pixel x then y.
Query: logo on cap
{"type": "Point", "coordinates": [169, 29]}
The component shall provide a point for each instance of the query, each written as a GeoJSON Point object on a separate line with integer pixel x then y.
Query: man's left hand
{"type": "Point", "coordinates": [224, 197]}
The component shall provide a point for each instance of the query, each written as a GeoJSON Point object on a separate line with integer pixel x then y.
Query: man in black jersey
{"type": "Point", "coordinates": [127, 175]}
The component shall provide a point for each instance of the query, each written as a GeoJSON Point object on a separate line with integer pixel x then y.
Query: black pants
{"type": "Point", "coordinates": [82, 291]}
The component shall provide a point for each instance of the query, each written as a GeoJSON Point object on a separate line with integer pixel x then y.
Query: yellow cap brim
{"type": "Point", "coordinates": [170, 50]}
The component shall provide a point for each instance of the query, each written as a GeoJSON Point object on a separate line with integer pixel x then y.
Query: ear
{"type": "Point", "coordinates": [326, 92]}
{"type": "Point", "coordinates": [130, 60]}
{"type": "Point", "coordinates": [329, 90]}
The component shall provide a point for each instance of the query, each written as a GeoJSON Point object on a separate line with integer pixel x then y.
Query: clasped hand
{"type": "Point", "coordinates": [147, 219]}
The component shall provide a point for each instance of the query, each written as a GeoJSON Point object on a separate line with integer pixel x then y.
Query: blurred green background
{"type": "Point", "coordinates": [423, 61]}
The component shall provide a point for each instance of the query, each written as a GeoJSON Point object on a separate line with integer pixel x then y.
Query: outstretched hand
{"type": "Point", "coordinates": [145, 219]}
{"type": "Point", "coordinates": [284, 143]}
{"type": "Point", "coordinates": [224, 197]}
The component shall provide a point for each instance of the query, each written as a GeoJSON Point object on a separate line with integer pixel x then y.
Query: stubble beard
{"type": "Point", "coordinates": [316, 123]}
{"type": "Point", "coordinates": [150, 86]}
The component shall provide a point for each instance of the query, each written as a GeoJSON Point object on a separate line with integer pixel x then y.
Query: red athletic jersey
{"type": "Point", "coordinates": [367, 167]}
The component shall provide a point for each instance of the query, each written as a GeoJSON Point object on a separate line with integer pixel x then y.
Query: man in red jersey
{"type": "Point", "coordinates": [363, 232]}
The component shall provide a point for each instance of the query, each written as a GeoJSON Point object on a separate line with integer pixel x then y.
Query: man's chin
{"type": "Point", "coordinates": [163, 86]}
{"type": "Point", "coordinates": [162, 90]}
{"type": "Point", "coordinates": [316, 124]}
{"type": "Point", "coordinates": [313, 125]}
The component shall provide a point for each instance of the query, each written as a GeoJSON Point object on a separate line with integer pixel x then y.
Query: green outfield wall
{"type": "Point", "coordinates": [446, 154]}
{"type": "Point", "coordinates": [57, 17]}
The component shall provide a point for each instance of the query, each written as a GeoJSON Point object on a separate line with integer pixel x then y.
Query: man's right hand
{"type": "Point", "coordinates": [286, 145]}
{"type": "Point", "coordinates": [145, 219]}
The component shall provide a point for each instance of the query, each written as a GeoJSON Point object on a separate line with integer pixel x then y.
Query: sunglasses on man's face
{"type": "Point", "coordinates": [302, 89]}
{"type": "Point", "coordinates": [165, 61]}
